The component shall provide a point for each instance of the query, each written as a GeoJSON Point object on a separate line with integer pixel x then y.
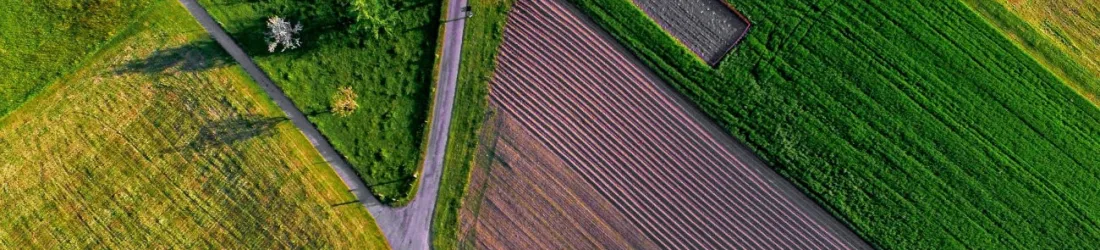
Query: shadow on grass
{"type": "Point", "coordinates": [317, 112]}
{"type": "Point", "coordinates": [233, 130]}
{"type": "Point", "coordinates": [326, 34]}
{"type": "Point", "coordinates": [402, 181]}
{"type": "Point", "coordinates": [356, 201]}
{"type": "Point", "coordinates": [233, 2]}
{"type": "Point", "coordinates": [210, 133]}
{"type": "Point", "coordinates": [193, 57]}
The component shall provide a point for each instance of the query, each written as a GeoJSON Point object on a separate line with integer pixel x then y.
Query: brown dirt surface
{"type": "Point", "coordinates": [709, 28]}
{"type": "Point", "coordinates": [525, 197]}
{"type": "Point", "coordinates": [589, 150]}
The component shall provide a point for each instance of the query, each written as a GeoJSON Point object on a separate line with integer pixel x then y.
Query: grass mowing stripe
{"type": "Point", "coordinates": [1041, 35]}
{"type": "Point", "coordinates": [68, 35]}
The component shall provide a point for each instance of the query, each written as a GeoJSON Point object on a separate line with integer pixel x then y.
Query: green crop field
{"type": "Point", "coordinates": [482, 37]}
{"type": "Point", "coordinates": [391, 73]}
{"type": "Point", "coordinates": [1064, 35]}
{"type": "Point", "coordinates": [42, 40]}
{"type": "Point", "coordinates": [161, 141]}
{"type": "Point", "coordinates": [916, 122]}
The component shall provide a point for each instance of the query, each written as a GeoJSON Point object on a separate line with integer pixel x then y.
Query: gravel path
{"type": "Point", "coordinates": [405, 227]}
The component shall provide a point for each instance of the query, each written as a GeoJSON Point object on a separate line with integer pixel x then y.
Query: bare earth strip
{"type": "Point", "coordinates": [707, 27]}
{"type": "Point", "coordinates": [577, 117]}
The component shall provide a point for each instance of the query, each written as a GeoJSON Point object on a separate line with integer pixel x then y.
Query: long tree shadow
{"type": "Point", "coordinates": [402, 181]}
{"type": "Point", "coordinates": [233, 130]}
{"type": "Point", "coordinates": [184, 114]}
{"type": "Point", "coordinates": [193, 57]}
{"type": "Point", "coordinates": [232, 2]}
{"type": "Point", "coordinates": [356, 201]}
{"type": "Point", "coordinates": [412, 4]}
{"type": "Point", "coordinates": [317, 112]}
{"type": "Point", "coordinates": [210, 133]}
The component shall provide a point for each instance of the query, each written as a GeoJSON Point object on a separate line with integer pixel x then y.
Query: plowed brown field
{"type": "Point", "coordinates": [587, 149]}
{"type": "Point", "coordinates": [710, 28]}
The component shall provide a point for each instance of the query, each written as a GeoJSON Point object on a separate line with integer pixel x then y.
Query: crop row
{"type": "Point", "coordinates": [916, 122]}
{"type": "Point", "coordinates": [524, 197]}
{"type": "Point", "coordinates": [628, 136]}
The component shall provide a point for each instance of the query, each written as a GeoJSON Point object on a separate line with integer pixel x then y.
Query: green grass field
{"type": "Point", "coordinates": [161, 141]}
{"type": "Point", "coordinates": [1063, 35]}
{"type": "Point", "coordinates": [916, 122]}
{"type": "Point", "coordinates": [482, 37]}
{"type": "Point", "coordinates": [42, 40]}
{"type": "Point", "coordinates": [392, 75]}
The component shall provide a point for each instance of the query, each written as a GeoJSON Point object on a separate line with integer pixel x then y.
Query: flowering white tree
{"type": "Point", "coordinates": [281, 32]}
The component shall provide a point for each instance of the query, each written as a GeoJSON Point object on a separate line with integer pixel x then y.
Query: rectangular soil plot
{"type": "Point", "coordinates": [588, 149]}
{"type": "Point", "coordinates": [710, 28]}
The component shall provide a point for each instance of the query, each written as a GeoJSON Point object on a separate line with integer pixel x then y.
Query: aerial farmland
{"type": "Point", "coordinates": [591, 150]}
{"type": "Point", "coordinates": [916, 122]}
{"type": "Point", "coordinates": [549, 124]}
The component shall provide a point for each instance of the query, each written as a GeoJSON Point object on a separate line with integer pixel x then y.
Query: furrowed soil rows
{"type": "Point", "coordinates": [520, 175]}
{"type": "Point", "coordinates": [590, 150]}
{"type": "Point", "coordinates": [710, 28]}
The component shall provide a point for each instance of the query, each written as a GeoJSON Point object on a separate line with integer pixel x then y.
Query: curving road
{"type": "Point", "coordinates": [405, 227]}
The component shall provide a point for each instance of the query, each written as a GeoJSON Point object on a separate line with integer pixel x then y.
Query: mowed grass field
{"type": "Point", "coordinates": [42, 40]}
{"type": "Point", "coordinates": [160, 141]}
{"type": "Point", "coordinates": [1062, 35]}
{"type": "Point", "coordinates": [479, 49]}
{"type": "Point", "coordinates": [916, 122]}
{"type": "Point", "coordinates": [391, 74]}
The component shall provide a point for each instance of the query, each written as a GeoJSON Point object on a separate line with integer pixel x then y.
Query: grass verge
{"type": "Point", "coordinates": [391, 73]}
{"type": "Point", "coordinates": [483, 34]}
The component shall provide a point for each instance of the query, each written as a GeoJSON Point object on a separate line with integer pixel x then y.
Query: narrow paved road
{"type": "Point", "coordinates": [406, 227]}
{"type": "Point", "coordinates": [409, 227]}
